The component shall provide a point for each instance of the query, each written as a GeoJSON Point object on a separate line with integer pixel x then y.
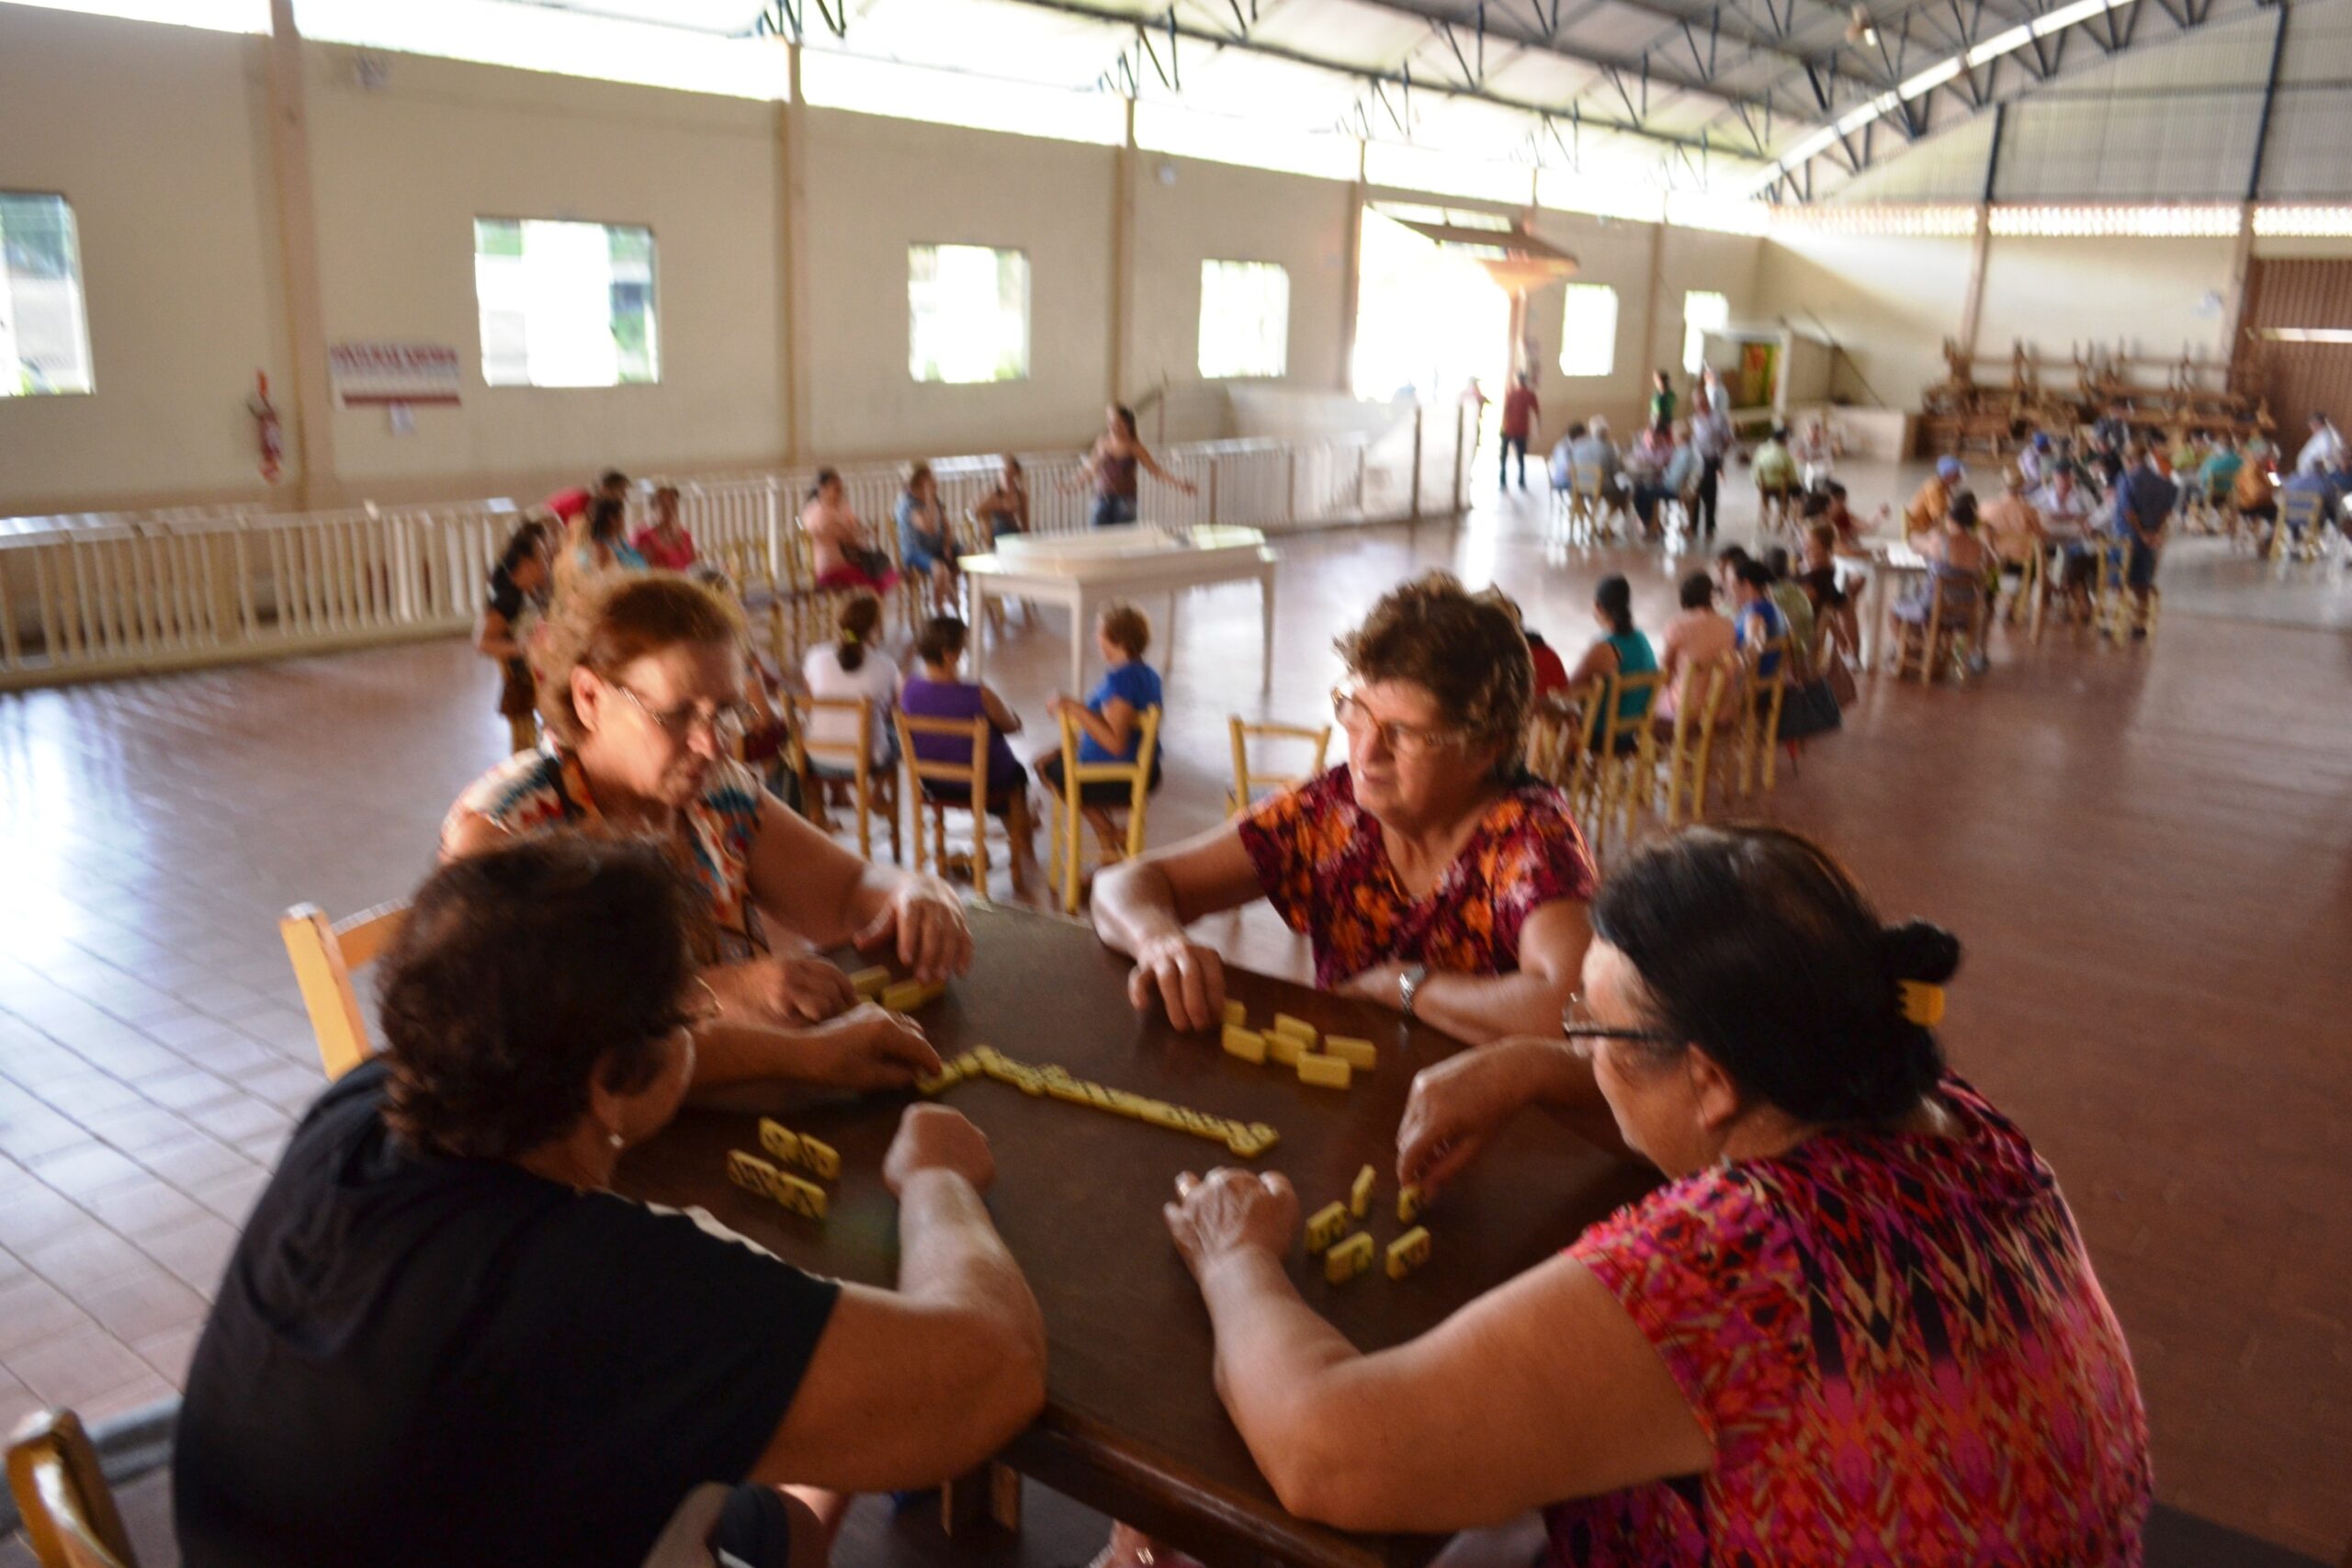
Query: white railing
{"type": "Point", "coordinates": [93, 595]}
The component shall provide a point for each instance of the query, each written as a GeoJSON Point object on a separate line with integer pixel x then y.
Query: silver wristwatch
{"type": "Point", "coordinates": [1408, 985]}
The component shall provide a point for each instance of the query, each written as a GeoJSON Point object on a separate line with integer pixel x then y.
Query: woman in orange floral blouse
{"type": "Point", "coordinates": [1433, 873]}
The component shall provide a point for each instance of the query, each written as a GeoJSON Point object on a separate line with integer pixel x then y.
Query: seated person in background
{"type": "Point", "coordinates": [853, 668]}
{"type": "Point", "coordinates": [1695, 641]}
{"type": "Point", "coordinates": [1775, 471]}
{"type": "Point", "coordinates": [1840, 517]}
{"type": "Point", "coordinates": [595, 545]}
{"type": "Point", "coordinates": [1685, 469]}
{"type": "Point", "coordinates": [570, 505]}
{"type": "Point", "coordinates": [1854, 1253]}
{"type": "Point", "coordinates": [2324, 449]}
{"type": "Point", "coordinates": [1005, 509]}
{"type": "Point", "coordinates": [1814, 453]}
{"type": "Point", "coordinates": [2013, 533]}
{"type": "Point", "coordinates": [643, 696]}
{"type": "Point", "coordinates": [925, 547]}
{"type": "Point", "coordinates": [1835, 626]}
{"type": "Point", "coordinates": [1594, 450]}
{"type": "Point", "coordinates": [1111, 721]}
{"type": "Point", "coordinates": [2034, 460]}
{"type": "Point", "coordinates": [1550, 672]}
{"type": "Point", "coordinates": [1622, 650]}
{"type": "Point", "coordinates": [1646, 465]}
{"type": "Point", "coordinates": [840, 553]}
{"type": "Point", "coordinates": [664, 542]}
{"type": "Point", "coordinates": [1431, 873]}
{"type": "Point", "coordinates": [1757, 622]}
{"type": "Point", "coordinates": [1561, 464]}
{"type": "Point", "coordinates": [443, 1339]}
{"type": "Point", "coordinates": [941, 692]}
{"type": "Point", "coordinates": [1925, 513]}
{"type": "Point", "coordinates": [2252, 493]}
{"type": "Point", "coordinates": [2219, 475]}
{"type": "Point", "coordinates": [2316, 483]}
{"type": "Point", "coordinates": [1957, 563]}
{"type": "Point", "coordinates": [517, 589]}
{"type": "Point", "coordinates": [1790, 598]}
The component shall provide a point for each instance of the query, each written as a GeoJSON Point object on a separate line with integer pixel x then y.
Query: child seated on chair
{"type": "Point", "coordinates": [1111, 720]}
{"type": "Point", "coordinates": [940, 692]}
{"type": "Point", "coordinates": [854, 667]}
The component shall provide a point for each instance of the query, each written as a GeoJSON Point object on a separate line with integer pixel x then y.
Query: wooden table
{"type": "Point", "coordinates": [1132, 1424]}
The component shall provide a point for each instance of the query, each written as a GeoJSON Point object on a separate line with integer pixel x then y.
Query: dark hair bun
{"type": "Point", "coordinates": [1918, 951]}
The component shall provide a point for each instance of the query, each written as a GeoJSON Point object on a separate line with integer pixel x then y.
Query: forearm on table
{"type": "Point", "coordinates": [1279, 1371]}
{"type": "Point", "coordinates": [1481, 1008]}
{"type": "Point", "coordinates": [730, 1052]}
{"type": "Point", "coordinates": [1135, 903]}
{"type": "Point", "coordinates": [951, 1259]}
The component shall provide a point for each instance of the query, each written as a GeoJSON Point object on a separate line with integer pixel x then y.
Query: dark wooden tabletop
{"type": "Point", "coordinates": [1132, 1424]}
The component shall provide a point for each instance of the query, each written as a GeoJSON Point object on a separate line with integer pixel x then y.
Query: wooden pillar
{"type": "Point", "coordinates": [312, 444]}
{"type": "Point", "coordinates": [792, 313]}
{"type": "Point", "coordinates": [1351, 275]}
{"type": "Point", "coordinates": [1122, 224]}
{"type": "Point", "coordinates": [1972, 309]}
{"type": "Point", "coordinates": [2234, 305]}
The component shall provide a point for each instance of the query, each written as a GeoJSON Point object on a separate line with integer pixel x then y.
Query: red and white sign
{"type": "Point", "coordinates": [364, 374]}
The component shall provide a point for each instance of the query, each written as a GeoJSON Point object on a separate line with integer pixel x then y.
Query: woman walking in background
{"type": "Point", "coordinates": [1112, 463]}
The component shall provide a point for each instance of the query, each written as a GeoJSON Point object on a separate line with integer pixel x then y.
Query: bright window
{"type": "Point", "coordinates": [1245, 318]}
{"type": "Point", "coordinates": [565, 304]}
{"type": "Point", "coordinates": [1589, 330]}
{"type": "Point", "coordinates": [967, 314]}
{"type": "Point", "coordinates": [1703, 312]}
{"type": "Point", "coordinates": [45, 334]}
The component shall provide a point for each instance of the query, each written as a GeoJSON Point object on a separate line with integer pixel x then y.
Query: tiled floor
{"type": "Point", "coordinates": [2146, 854]}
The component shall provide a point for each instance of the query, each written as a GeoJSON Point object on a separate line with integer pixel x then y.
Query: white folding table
{"type": "Point", "coordinates": [1083, 572]}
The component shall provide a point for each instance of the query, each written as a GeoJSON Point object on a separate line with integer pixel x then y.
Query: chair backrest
{"type": "Point", "coordinates": [324, 953]}
{"type": "Point", "coordinates": [69, 1512]}
{"type": "Point", "coordinates": [1247, 781]}
{"type": "Point", "coordinates": [972, 774]}
{"type": "Point", "coordinates": [1585, 479]}
{"type": "Point", "coordinates": [1615, 724]}
{"type": "Point", "coordinates": [2299, 508]}
{"type": "Point", "coordinates": [857, 755]}
{"type": "Point", "coordinates": [1076, 774]}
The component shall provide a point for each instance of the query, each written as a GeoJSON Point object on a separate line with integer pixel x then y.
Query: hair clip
{"type": "Point", "coordinates": [1922, 1003]}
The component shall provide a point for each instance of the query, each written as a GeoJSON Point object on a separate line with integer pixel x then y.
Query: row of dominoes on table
{"type": "Point", "coordinates": [1343, 1260]}
{"type": "Point", "coordinates": [898, 996]}
{"type": "Point", "coordinates": [1292, 1043]}
{"type": "Point", "coordinates": [1246, 1139]}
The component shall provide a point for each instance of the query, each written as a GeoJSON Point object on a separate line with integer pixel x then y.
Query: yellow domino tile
{"type": "Point", "coordinates": [1360, 1054]}
{"type": "Point", "coordinates": [1324, 1072]}
{"type": "Point", "coordinates": [870, 983]}
{"type": "Point", "coordinates": [1409, 1252]}
{"type": "Point", "coordinates": [1284, 1049]}
{"type": "Point", "coordinates": [1246, 1044]}
{"type": "Point", "coordinates": [1409, 1205]}
{"type": "Point", "coordinates": [1297, 1028]}
{"type": "Point", "coordinates": [1326, 1225]}
{"type": "Point", "coordinates": [1360, 1192]}
{"type": "Point", "coordinates": [803, 1197]}
{"type": "Point", "coordinates": [1236, 1015]}
{"type": "Point", "coordinates": [1347, 1260]}
{"type": "Point", "coordinates": [782, 1144]}
{"type": "Point", "coordinates": [750, 1172]}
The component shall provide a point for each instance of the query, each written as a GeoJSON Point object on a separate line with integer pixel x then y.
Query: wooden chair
{"type": "Point", "coordinates": [973, 776]}
{"type": "Point", "coordinates": [1689, 753]}
{"type": "Point", "coordinates": [70, 1519]}
{"type": "Point", "coordinates": [2116, 610]}
{"type": "Point", "coordinates": [1625, 757]}
{"type": "Point", "coordinates": [1136, 776]}
{"type": "Point", "coordinates": [1592, 505]}
{"type": "Point", "coordinates": [325, 953]}
{"type": "Point", "coordinates": [875, 789]}
{"type": "Point", "coordinates": [1939, 644]}
{"type": "Point", "coordinates": [1248, 782]}
{"type": "Point", "coordinates": [1759, 717]}
{"type": "Point", "coordinates": [2302, 527]}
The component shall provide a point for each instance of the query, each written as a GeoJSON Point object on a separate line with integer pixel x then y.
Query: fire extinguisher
{"type": "Point", "coordinates": [266, 428]}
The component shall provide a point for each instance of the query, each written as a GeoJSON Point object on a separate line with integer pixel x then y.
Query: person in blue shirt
{"type": "Point", "coordinates": [1622, 649]}
{"type": "Point", "coordinates": [1111, 720]}
{"type": "Point", "coordinates": [1758, 620]}
{"type": "Point", "coordinates": [926, 550]}
{"type": "Point", "coordinates": [2145, 500]}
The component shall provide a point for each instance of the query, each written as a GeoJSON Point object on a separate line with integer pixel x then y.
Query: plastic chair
{"type": "Point", "coordinates": [876, 789]}
{"type": "Point", "coordinates": [1247, 782]}
{"type": "Point", "coordinates": [70, 1518]}
{"type": "Point", "coordinates": [1136, 776]}
{"type": "Point", "coordinates": [324, 953]}
{"type": "Point", "coordinates": [973, 776]}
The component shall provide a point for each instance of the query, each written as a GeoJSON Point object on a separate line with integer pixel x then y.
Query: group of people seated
{"type": "Point", "coordinates": [1854, 1320]}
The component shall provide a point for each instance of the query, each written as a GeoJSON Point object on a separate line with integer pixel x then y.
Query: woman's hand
{"type": "Point", "coordinates": [866, 1048]}
{"type": "Point", "coordinates": [931, 1137]}
{"type": "Point", "coordinates": [781, 989]}
{"type": "Point", "coordinates": [926, 921]}
{"type": "Point", "coordinates": [1187, 978]}
{"type": "Point", "coordinates": [1230, 1212]}
{"type": "Point", "coordinates": [1381, 984]}
{"type": "Point", "coordinates": [1457, 1104]}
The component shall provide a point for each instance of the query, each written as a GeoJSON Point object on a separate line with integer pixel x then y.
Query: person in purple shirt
{"type": "Point", "coordinates": [941, 693]}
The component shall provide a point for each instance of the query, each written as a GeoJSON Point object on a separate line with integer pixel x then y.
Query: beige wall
{"type": "Point", "coordinates": [155, 134]}
{"type": "Point", "coordinates": [1888, 302]}
{"type": "Point", "coordinates": [2149, 296]}
{"type": "Point", "coordinates": [403, 171]}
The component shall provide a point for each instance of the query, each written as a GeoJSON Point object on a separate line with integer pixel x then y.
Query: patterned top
{"type": "Point", "coordinates": [535, 792]}
{"type": "Point", "coordinates": [1320, 859]}
{"type": "Point", "coordinates": [1897, 1346]}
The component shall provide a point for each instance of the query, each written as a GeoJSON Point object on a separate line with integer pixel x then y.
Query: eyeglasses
{"type": "Point", "coordinates": [1578, 1028]}
{"type": "Point", "coordinates": [728, 723]}
{"type": "Point", "coordinates": [1408, 742]}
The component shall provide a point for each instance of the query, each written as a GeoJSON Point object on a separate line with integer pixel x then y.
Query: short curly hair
{"type": "Point", "coordinates": [516, 973]}
{"type": "Point", "coordinates": [1465, 649]}
{"type": "Point", "coordinates": [611, 622]}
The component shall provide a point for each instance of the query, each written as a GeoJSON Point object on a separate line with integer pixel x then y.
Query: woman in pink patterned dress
{"type": "Point", "coordinates": [1857, 1324]}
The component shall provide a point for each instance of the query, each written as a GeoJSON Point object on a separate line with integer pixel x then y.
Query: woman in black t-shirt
{"type": "Point", "coordinates": [518, 583]}
{"type": "Point", "coordinates": [442, 1340]}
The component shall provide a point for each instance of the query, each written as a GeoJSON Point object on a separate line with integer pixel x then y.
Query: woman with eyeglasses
{"type": "Point", "coordinates": [642, 698]}
{"type": "Point", "coordinates": [1433, 873]}
{"type": "Point", "coordinates": [1856, 1324]}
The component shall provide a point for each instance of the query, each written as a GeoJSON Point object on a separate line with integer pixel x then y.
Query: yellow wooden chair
{"type": "Point", "coordinates": [2116, 610]}
{"type": "Point", "coordinates": [70, 1519]}
{"type": "Point", "coordinates": [325, 953]}
{"type": "Point", "coordinates": [1627, 753]}
{"type": "Point", "coordinates": [1248, 781]}
{"type": "Point", "coordinates": [972, 775]}
{"type": "Point", "coordinates": [1068, 853]}
{"type": "Point", "coordinates": [1759, 717]}
{"type": "Point", "coordinates": [874, 790]}
{"type": "Point", "coordinates": [1941, 645]}
{"type": "Point", "coordinates": [1689, 764]}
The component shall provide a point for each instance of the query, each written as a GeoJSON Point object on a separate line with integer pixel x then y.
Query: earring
{"type": "Point", "coordinates": [614, 1139]}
